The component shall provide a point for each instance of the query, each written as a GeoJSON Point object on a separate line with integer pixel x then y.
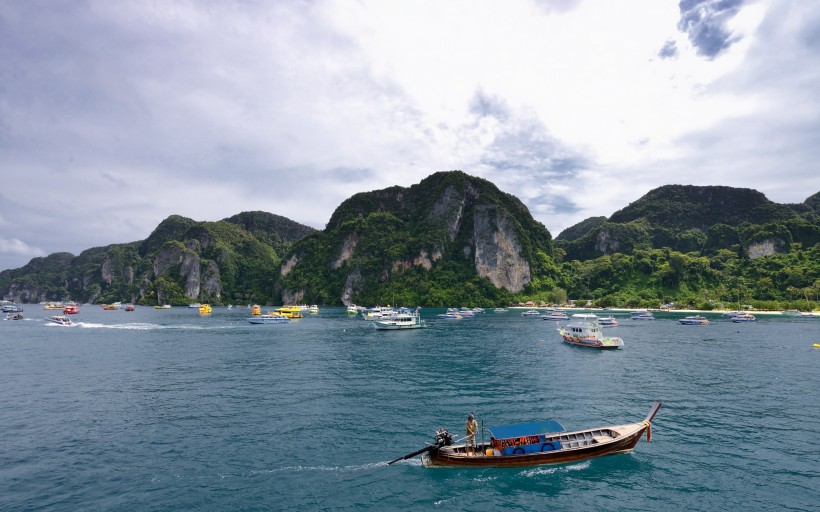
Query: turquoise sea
{"type": "Point", "coordinates": [166, 410]}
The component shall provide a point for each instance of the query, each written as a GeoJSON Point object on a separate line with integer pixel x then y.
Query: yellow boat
{"type": "Point", "coordinates": [816, 345]}
{"type": "Point", "coordinates": [289, 311]}
{"type": "Point", "coordinates": [256, 310]}
{"type": "Point", "coordinates": [205, 309]}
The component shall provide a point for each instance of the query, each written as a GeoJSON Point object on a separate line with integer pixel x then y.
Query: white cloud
{"type": "Point", "coordinates": [144, 110]}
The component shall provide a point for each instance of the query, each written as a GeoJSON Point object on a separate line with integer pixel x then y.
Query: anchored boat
{"type": "Point", "coordinates": [533, 444]}
{"type": "Point", "coordinates": [585, 331]}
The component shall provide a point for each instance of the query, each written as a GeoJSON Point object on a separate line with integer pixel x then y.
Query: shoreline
{"type": "Point", "coordinates": [658, 310]}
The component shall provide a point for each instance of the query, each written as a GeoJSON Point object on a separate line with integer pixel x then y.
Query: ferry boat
{"type": "Point", "coordinates": [586, 332]}
{"type": "Point", "coordinates": [534, 444]}
{"type": "Point", "coordinates": [399, 321]}
{"type": "Point", "coordinates": [288, 312]}
{"type": "Point", "coordinates": [693, 320]}
{"type": "Point", "coordinates": [205, 309]}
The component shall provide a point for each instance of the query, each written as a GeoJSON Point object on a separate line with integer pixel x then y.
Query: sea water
{"type": "Point", "coordinates": [170, 410]}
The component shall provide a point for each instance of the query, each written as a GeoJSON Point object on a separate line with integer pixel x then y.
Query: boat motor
{"type": "Point", "coordinates": [443, 437]}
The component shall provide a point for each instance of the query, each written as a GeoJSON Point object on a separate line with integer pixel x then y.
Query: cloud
{"type": "Point", "coordinates": [704, 21]}
{"type": "Point", "coordinates": [114, 116]}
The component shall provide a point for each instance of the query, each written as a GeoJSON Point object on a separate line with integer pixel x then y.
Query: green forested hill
{"type": "Point", "coordinates": [181, 261]}
{"type": "Point", "coordinates": [450, 239]}
{"type": "Point", "coordinates": [454, 239]}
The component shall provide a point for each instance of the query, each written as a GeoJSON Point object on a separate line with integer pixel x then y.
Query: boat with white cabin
{"type": "Point", "coordinates": [583, 330]}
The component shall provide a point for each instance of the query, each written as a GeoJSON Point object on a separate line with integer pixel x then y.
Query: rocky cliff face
{"type": "Point", "coordinates": [497, 250]}
{"type": "Point", "coordinates": [765, 248]}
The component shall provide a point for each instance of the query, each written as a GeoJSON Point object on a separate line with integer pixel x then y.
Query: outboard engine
{"type": "Point", "coordinates": [443, 437]}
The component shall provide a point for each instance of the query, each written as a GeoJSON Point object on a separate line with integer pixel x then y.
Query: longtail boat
{"type": "Point", "coordinates": [533, 444]}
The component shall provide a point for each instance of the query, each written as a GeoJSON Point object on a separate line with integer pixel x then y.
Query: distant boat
{"type": "Point", "coordinates": [14, 316]}
{"type": "Point", "coordinates": [746, 317]}
{"type": "Point", "coordinates": [313, 309]}
{"type": "Point", "coordinates": [60, 320]}
{"type": "Point", "coordinates": [352, 309]}
{"type": "Point", "coordinates": [557, 315]}
{"type": "Point", "coordinates": [130, 307]}
{"type": "Point", "coordinates": [205, 309]}
{"type": "Point", "coordinates": [269, 319]}
{"type": "Point", "coordinates": [500, 310]}
{"type": "Point", "coordinates": [53, 306]}
{"type": "Point", "coordinates": [791, 312]}
{"type": "Point", "coordinates": [449, 316]}
{"type": "Point", "coordinates": [12, 308]}
{"type": "Point", "coordinates": [531, 312]}
{"type": "Point", "coordinates": [162, 306]}
{"type": "Point", "coordinates": [642, 315]}
{"type": "Point", "coordinates": [607, 321]}
{"type": "Point", "coordinates": [256, 310]}
{"type": "Point", "coordinates": [693, 320]}
{"type": "Point", "coordinates": [71, 309]}
{"type": "Point", "coordinates": [194, 305]}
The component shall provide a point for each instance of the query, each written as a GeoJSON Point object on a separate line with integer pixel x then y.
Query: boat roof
{"type": "Point", "coordinates": [526, 429]}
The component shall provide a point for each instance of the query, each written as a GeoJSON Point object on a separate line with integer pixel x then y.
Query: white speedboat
{"type": "Point", "coordinates": [556, 315]}
{"type": "Point", "coordinates": [60, 320]}
{"type": "Point", "coordinates": [607, 321]}
{"type": "Point", "coordinates": [745, 317]}
{"type": "Point", "coordinates": [693, 320]}
{"type": "Point", "coordinates": [531, 312]}
{"type": "Point", "coordinates": [642, 315]}
{"type": "Point", "coordinates": [269, 319]}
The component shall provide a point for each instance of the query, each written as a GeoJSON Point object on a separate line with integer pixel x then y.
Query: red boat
{"type": "Point", "coordinates": [71, 309]}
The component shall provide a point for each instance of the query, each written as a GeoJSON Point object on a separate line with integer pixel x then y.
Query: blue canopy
{"type": "Point", "coordinates": [526, 429]}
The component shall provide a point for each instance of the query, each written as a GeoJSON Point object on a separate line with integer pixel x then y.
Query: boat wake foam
{"type": "Point", "coordinates": [551, 470]}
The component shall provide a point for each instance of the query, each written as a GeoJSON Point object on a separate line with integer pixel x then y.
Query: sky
{"type": "Point", "coordinates": [115, 115]}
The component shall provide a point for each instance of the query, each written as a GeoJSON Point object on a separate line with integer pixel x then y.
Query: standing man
{"type": "Point", "coordinates": [472, 428]}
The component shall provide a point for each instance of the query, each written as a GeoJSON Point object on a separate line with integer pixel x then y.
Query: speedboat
{"type": "Point", "coordinates": [642, 315]}
{"type": "Point", "coordinates": [500, 310]}
{"type": "Point", "coordinates": [313, 309]}
{"type": "Point", "coordinates": [256, 310]}
{"type": "Point", "coordinates": [586, 332]}
{"type": "Point", "coordinates": [557, 315]}
{"type": "Point", "coordinates": [130, 307]}
{"type": "Point", "coordinates": [693, 320]}
{"type": "Point", "coordinates": [12, 308]}
{"type": "Point", "coordinates": [71, 309]}
{"type": "Point", "coordinates": [607, 321]}
{"type": "Point", "coordinates": [205, 309]}
{"type": "Point", "coordinates": [352, 309]}
{"type": "Point", "coordinates": [14, 316]}
{"type": "Point", "coordinates": [269, 319]}
{"type": "Point", "coordinates": [449, 316]}
{"type": "Point", "coordinates": [745, 317]}
{"type": "Point", "coordinates": [60, 320]}
{"type": "Point", "coordinates": [531, 312]}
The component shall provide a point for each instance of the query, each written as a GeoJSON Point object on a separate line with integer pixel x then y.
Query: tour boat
{"type": "Point", "coordinates": [693, 320]}
{"type": "Point", "coordinates": [256, 310]}
{"type": "Point", "coordinates": [399, 321]}
{"type": "Point", "coordinates": [288, 311]}
{"type": "Point", "coordinates": [745, 317]}
{"type": "Point", "coordinates": [586, 332]}
{"type": "Point", "coordinates": [205, 309]}
{"type": "Point", "coordinates": [534, 444]}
